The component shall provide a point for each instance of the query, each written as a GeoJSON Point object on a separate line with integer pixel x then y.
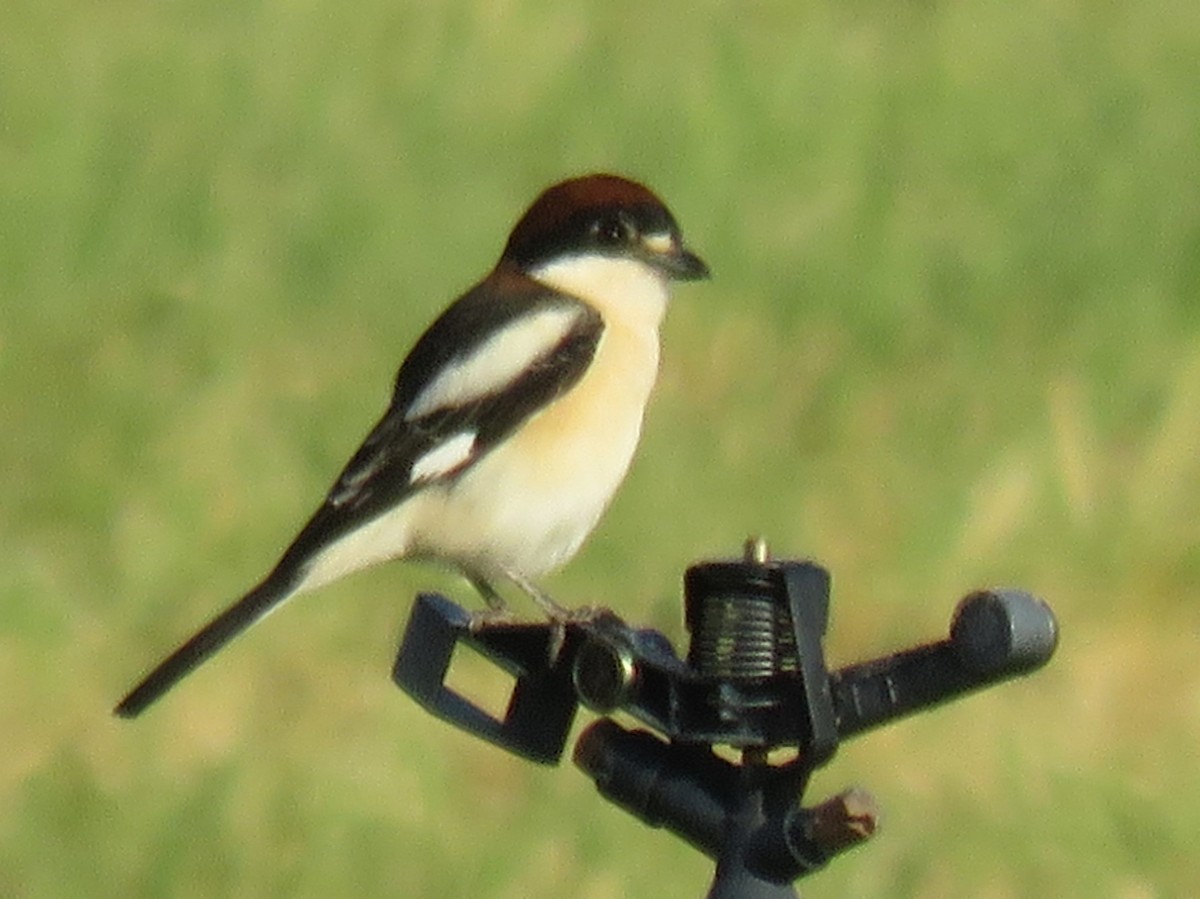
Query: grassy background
{"type": "Point", "coordinates": [953, 340]}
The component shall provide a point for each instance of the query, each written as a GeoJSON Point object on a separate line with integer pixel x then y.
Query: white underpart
{"type": "Point", "coordinates": [382, 538]}
{"type": "Point", "coordinates": [444, 458]}
{"type": "Point", "coordinates": [528, 505]}
{"type": "Point", "coordinates": [495, 363]}
{"type": "Point", "coordinates": [627, 292]}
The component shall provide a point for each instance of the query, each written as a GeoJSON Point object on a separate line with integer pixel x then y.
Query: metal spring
{"type": "Point", "coordinates": [743, 637]}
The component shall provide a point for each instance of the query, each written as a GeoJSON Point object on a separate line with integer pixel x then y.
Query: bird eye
{"type": "Point", "coordinates": [613, 230]}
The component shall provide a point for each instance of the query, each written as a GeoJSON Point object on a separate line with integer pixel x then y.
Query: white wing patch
{"type": "Point", "coordinates": [443, 458]}
{"type": "Point", "coordinates": [494, 364]}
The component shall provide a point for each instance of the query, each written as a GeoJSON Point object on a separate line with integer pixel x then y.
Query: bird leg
{"type": "Point", "coordinates": [497, 611]}
{"type": "Point", "coordinates": [559, 616]}
{"type": "Point", "coordinates": [491, 596]}
{"type": "Point", "coordinates": [556, 613]}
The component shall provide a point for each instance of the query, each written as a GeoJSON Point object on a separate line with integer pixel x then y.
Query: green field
{"type": "Point", "coordinates": [953, 340]}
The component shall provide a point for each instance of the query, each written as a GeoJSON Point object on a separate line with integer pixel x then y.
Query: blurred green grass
{"type": "Point", "coordinates": [953, 340]}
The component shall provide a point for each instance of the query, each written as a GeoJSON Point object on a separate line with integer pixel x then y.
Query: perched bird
{"type": "Point", "coordinates": [512, 422]}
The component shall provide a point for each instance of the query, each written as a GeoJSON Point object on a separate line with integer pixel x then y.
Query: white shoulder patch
{"type": "Point", "coordinates": [495, 363]}
{"type": "Point", "coordinates": [443, 458]}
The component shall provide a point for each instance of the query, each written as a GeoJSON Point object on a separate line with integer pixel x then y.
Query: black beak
{"type": "Point", "coordinates": [683, 265]}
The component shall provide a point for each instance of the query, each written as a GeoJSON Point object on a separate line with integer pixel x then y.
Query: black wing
{"type": "Point", "coordinates": [380, 474]}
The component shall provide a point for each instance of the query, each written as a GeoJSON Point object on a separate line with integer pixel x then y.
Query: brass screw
{"type": "Point", "coordinates": [755, 550]}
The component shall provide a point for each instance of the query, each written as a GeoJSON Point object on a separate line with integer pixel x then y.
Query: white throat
{"type": "Point", "coordinates": [623, 290]}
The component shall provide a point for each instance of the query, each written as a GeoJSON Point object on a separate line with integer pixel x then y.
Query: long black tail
{"type": "Point", "coordinates": [239, 616]}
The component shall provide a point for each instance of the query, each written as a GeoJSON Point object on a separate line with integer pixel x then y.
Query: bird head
{"type": "Point", "coordinates": [599, 217]}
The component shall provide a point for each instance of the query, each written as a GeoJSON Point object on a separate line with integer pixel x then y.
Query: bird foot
{"type": "Point", "coordinates": [497, 612]}
{"type": "Point", "coordinates": [580, 615]}
{"type": "Point", "coordinates": [482, 619]}
{"type": "Point", "coordinates": [560, 618]}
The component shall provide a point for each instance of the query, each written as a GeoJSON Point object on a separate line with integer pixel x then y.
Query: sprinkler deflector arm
{"type": "Point", "coordinates": [995, 636]}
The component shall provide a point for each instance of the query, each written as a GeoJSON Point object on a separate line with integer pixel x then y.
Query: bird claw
{"type": "Point", "coordinates": [558, 637]}
{"type": "Point", "coordinates": [583, 614]}
{"type": "Point", "coordinates": [560, 619]}
{"type": "Point", "coordinates": [482, 619]}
